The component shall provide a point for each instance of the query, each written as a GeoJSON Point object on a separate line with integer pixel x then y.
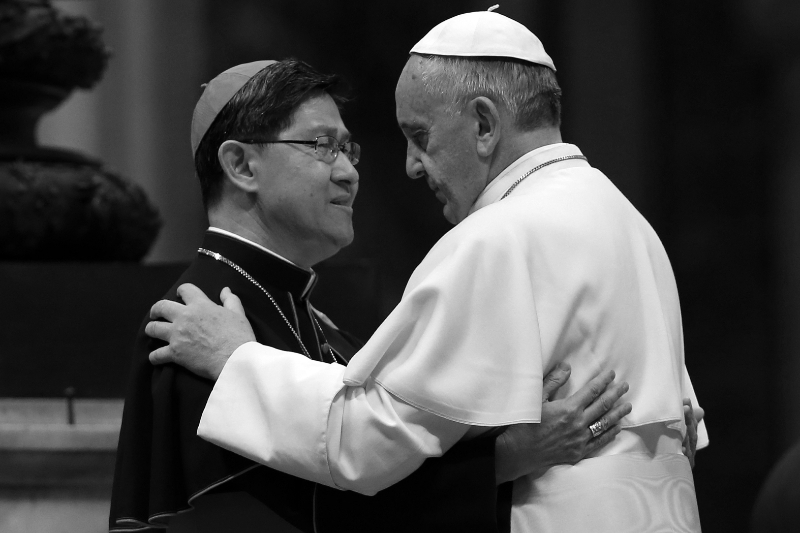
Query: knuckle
{"type": "Point", "coordinates": [606, 403]}
{"type": "Point", "coordinates": [168, 353]}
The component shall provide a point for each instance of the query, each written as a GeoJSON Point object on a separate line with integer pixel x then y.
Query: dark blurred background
{"type": "Point", "coordinates": [692, 108]}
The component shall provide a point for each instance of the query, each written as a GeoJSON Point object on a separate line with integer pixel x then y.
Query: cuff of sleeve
{"type": "Point", "coordinates": [702, 435]}
{"type": "Point", "coordinates": [272, 407]}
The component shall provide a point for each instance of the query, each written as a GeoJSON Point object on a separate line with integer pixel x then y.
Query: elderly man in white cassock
{"type": "Point", "coordinates": [548, 263]}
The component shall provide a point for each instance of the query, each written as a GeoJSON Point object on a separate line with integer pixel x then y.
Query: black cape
{"type": "Point", "coordinates": [163, 468]}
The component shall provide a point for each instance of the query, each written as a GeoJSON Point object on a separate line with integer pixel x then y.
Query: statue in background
{"type": "Point", "coordinates": [55, 204]}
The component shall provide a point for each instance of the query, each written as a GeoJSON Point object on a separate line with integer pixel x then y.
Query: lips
{"type": "Point", "coordinates": [344, 202]}
{"type": "Point", "coordinates": [437, 192]}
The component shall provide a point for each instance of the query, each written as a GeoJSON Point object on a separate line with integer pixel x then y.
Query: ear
{"type": "Point", "coordinates": [487, 119]}
{"type": "Point", "coordinates": [238, 161]}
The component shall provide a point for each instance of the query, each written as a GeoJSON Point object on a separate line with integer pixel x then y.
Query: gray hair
{"type": "Point", "coordinates": [529, 92]}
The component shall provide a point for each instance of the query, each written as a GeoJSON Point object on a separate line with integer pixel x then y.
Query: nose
{"type": "Point", "coordinates": [414, 167]}
{"type": "Point", "coordinates": [343, 171]}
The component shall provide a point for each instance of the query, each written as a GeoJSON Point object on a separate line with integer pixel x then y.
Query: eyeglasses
{"type": "Point", "coordinates": [326, 147]}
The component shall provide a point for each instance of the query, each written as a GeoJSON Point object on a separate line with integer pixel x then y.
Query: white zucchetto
{"type": "Point", "coordinates": [483, 34]}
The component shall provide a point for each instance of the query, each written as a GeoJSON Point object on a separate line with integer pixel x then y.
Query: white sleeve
{"type": "Point", "coordinates": [297, 416]}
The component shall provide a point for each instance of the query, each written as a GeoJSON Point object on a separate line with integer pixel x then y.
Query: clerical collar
{"type": "Point", "coordinates": [498, 186]}
{"type": "Point", "coordinates": [263, 264]}
{"type": "Point", "coordinates": [251, 243]}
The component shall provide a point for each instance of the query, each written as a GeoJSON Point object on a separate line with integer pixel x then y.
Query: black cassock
{"type": "Point", "coordinates": [162, 464]}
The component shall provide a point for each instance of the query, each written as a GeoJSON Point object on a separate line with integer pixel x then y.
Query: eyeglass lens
{"type": "Point", "coordinates": [329, 146]}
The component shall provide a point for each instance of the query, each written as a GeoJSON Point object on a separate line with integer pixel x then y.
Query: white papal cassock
{"type": "Point", "coordinates": [563, 269]}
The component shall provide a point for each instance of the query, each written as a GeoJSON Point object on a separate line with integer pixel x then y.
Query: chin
{"type": "Point", "coordinates": [342, 241]}
{"type": "Point", "coordinates": [450, 216]}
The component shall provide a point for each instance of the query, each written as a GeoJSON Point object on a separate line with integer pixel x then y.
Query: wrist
{"type": "Point", "coordinates": [504, 459]}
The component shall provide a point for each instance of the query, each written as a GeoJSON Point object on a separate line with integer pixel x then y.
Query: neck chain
{"type": "Point", "coordinates": [534, 169]}
{"type": "Point", "coordinates": [221, 258]}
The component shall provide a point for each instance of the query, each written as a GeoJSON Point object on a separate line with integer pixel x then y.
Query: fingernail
{"type": "Point", "coordinates": [625, 387]}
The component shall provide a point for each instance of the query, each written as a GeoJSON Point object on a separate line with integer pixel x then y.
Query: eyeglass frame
{"type": "Point", "coordinates": [315, 144]}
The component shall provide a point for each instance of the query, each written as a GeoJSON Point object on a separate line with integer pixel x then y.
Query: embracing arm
{"type": "Point", "coordinates": [365, 439]}
{"type": "Point", "coordinates": [276, 407]}
{"type": "Point", "coordinates": [297, 415]}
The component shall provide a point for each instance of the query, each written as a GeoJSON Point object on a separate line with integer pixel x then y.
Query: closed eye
{"type": "Point", "coordinates": [420, 139]}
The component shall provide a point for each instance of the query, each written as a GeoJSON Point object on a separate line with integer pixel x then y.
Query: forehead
{"type": "Point", "coordinates": [318, 115]}
{"type": "Point", "coordinates": [415, 105]}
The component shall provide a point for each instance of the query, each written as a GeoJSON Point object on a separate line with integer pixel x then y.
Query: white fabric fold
{"type": "Point", "coordinates": [248, 408]}
{"type": "Point", "coordinates": [296, 415]}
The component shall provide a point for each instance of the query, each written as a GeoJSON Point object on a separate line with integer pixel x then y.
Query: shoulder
{"type": "Point", "coordinates": [566, 212]}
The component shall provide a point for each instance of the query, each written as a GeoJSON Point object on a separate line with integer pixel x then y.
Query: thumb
{"type": "Point", "coordinates": [699, 413]}
{"type": "Point", "coordinates": [554, 380]}
{"type": "Point", "coordinates": [231, 302]}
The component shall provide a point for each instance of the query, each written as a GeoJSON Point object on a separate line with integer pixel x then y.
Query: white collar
{"type": "Point", "coordinates": [251, 243]}
{"type": "Point", "coordinates": [498, 186]}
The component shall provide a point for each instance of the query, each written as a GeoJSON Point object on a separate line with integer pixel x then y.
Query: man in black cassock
{"type": "Point", "coordinates": [276, 168]}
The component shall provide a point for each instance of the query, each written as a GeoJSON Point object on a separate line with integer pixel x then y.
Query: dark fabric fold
{"type": "Point", "coordinates": [161, 463]}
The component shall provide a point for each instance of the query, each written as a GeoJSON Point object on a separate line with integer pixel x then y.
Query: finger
{"type": "Point", "coordinates": [190, 293]}
{"type": "Point", "coordinates": [614, 416]}
{"type": "Point", "coordinates": [691, 428]}
{"type": "Point", "coordinates": [594, 388]}
{"type": "Point", "coordinates": [687, 450]}
{"type": "Point", "coordinates": [158, 330]}
{"type": "Point", "coordinates": [554, 380]}
{"type": "Point", "coordinates": [230, 301]}
{"type": "Point", "coordinates": [162, 355]}
{"type": "Point", "coordinates": [598, 442]}
{"type": "Point", "coordinates": [166, 309]}
{"type": "Point", "coordinates": [605, 402]}
{"type": "Point", "coordinates": [688, 412]}
{"type": "Point", "coordinates": [688, 416]}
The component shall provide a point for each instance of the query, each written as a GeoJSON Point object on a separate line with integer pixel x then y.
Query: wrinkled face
{"type": "Point", "coordinates": [441, 146]}
{"type": "Point", "coordinates": [303, 202]}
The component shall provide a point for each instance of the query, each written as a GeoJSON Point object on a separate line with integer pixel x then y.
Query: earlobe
{"type": "Point", "coordinates": [488, 125]}
{"type": "Point", "coordinates": [236, 160]}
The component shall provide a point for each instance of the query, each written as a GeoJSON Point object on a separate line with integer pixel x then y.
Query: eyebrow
{"type": "Point", "coordinates": [333, 132]}
{"type": "Point", "coordinates": [412, 125]}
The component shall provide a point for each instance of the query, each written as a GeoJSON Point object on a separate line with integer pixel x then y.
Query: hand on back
{"type": "Point", "coordinates": [200, 334]}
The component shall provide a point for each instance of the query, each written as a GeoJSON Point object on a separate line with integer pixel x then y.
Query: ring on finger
{"type": "Point", "coordinates": [598, 427]}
